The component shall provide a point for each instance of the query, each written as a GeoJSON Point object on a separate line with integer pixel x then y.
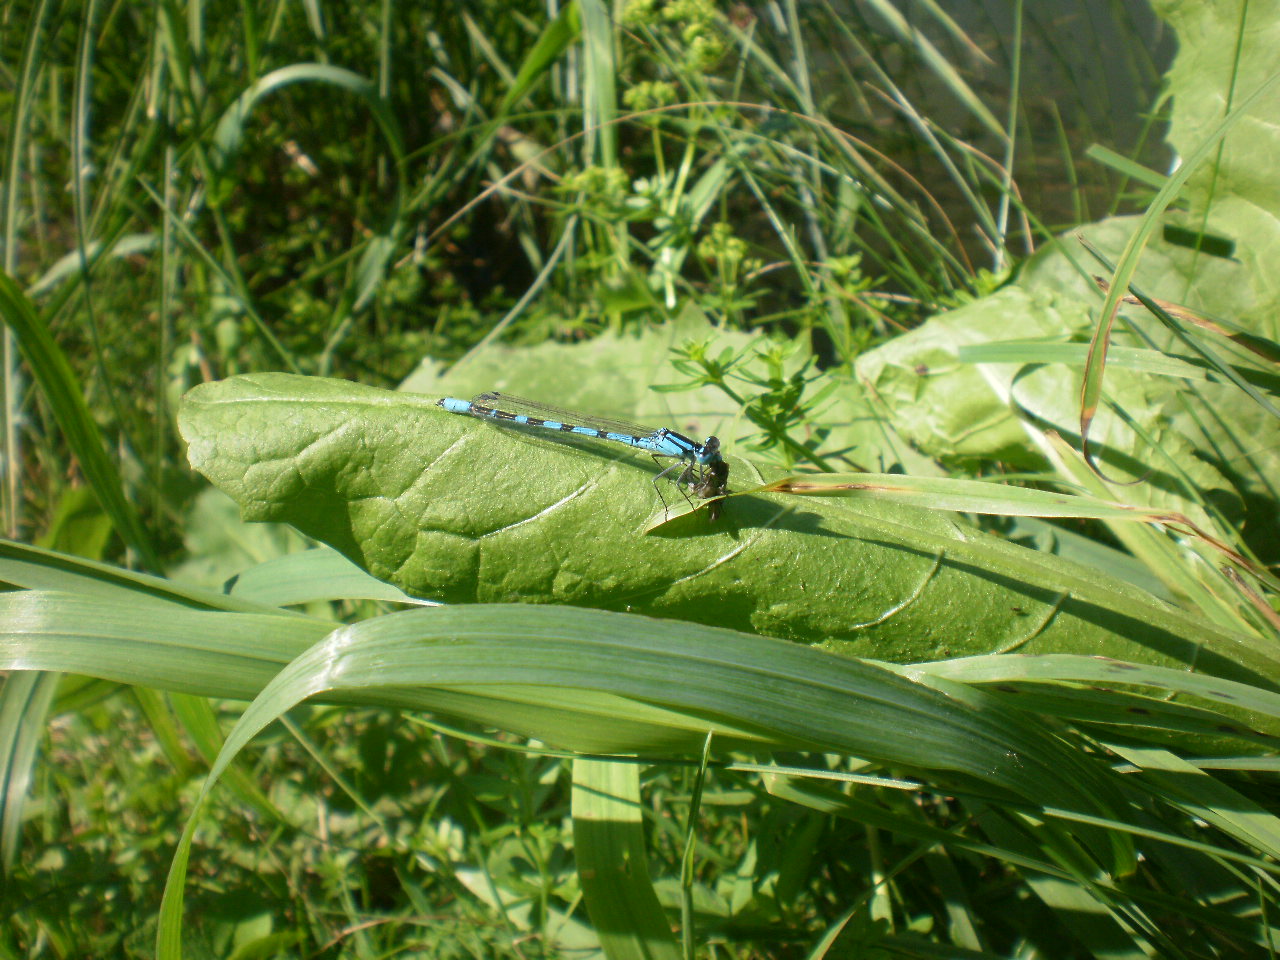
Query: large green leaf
{"type": "Point", "coordinates": [462, 510]}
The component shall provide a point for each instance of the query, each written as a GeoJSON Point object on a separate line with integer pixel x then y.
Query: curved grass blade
{"type": "Point", "coordinates": [35, 568]}
{"type": "Point", "coordinates": [25, 699]}
{"type": "Point", "coordinates": [1127, 263]}
{"type": "Point", "coordinates": [61, 390]}
{"type": "Point", "coordinates": [611, 853]}
{"type": "Point", "coordinates": [309, 576]}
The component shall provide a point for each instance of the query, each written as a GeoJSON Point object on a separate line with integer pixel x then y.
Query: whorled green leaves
{"type": "Point", "coordinates": [460, 510]}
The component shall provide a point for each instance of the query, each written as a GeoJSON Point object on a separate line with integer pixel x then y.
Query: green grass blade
{"type": "Point", "coordinates": [188, 651]}
{"type": "Point", "coordinates": [230, 132]}
{"type": "Point", "coordinates": [590, 680]}
{"type": "Point", "coordinates": [25, 699]}
{"type": "Point", "coordinates": [1127, 262]}
{"type": "Point", "coordinates": [546, 50]}
{"type": "Point", "coordinates": [599, 91]}
{"type": "Point", "coordinates": [61, 390]}
{"type": "Point", "coordinates": [1086, 916]}
{"type": "Point", "coordinates": [1154, 362]}
{"type": "Point", "coordinates": [23, 88]}
{"type": "Point", "coordinates": [231, 128]}
{"type": "Point", "coordinates": [199, 722]}
{"type": "Point", "coordinates": [1175, 780]}
{"type": "Point", "coordinates": [1123, 165]}
{"type": "Point", "coordinates": [312, 575]}
{"type": "Point", "coordinates": [67, 269]}
{"type": "Point", "coordinates": [1091, 670]}
{"type": "Point", "coordinates": [932, 58]}
{"type": "Point", "coordinates": [612, 858]}
{"type": "Point", "coordinates": [965, 496]}
{"type": "Point", "coordinates": [34, 568]}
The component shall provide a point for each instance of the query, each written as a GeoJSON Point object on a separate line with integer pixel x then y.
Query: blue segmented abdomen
{"type": "Point", "coordinates": [704, 472]}
{"type": "Point", "coordinates": [663, 442]}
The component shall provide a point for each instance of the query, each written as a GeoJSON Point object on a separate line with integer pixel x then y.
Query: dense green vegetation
{"type": "Point", "coordinates": [979, 657]}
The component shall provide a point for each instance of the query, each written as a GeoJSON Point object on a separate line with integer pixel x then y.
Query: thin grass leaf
{"type": "Point", "coordinates": [981, 496]}
{"type": "Point", "coordinates": [23, 89]}
{"type": "Point", "coordinates": [1123, 165]}
{"type": "Point", "coordinates": [1212, 360]}
{"type": "Point", "coordinates": [938, 64]}
{"type": "Point", "coordinates": [230, 132]}
{"type": "Point", "coordinates": [1161, 554]}
{"type": "Point", "coordinates": [204, 653]}
{"type": "Point", "coordinates": [832, 800]}
{"type": "Point", "coordinates": [61, 390]}
{"type": "Point", "coordinates": [168, 735]}
{"type": "Point", "coordinates": [1172, 318]}
{"type": "Point", "coordinates": [1262, 347]}
{"type": "Point", "coordinates": [1140, 360]}
{"type": "Point", "coordinates": [688, 859]}
{"type": "Point", "coordinates": [611, 854]}
{"type": "Point", "coordinates": [599, 75]}
{"type": "Point", "coordinates": [1103, 670]}
{"type": "Point", "coordinates": [965, 496]}
{"type": "Point", "coordinates": [68, 268]}
{"type": "Point", "coordinates": [310, 576]}
{"type": "Point", "coordinates": [34, 568]}
{"type": "Point", "coordinates": [1090, 921]}
{"type": "Point", "coordinates": [1209, 717]}
{"type": "Point", "coordinates": [201, 725]}
{"type": "Point", "coordinates": [1175, 780]}
{"type": "Point", "coordinates": [1011, 845]}
{"type": "Point", "coordinates": [546, 50]}
{"type": "Point", "coordinates": [25, 699]}
{"type": "Point", "coordinates": [1127, 263]}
